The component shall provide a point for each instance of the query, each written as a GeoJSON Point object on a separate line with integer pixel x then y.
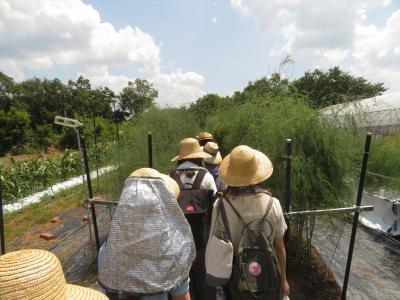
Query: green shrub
{"type": "Point", "coordinates": [322, 155]}
{"type": "Point", "coordinates": [168, 126]}
{"type": "Point", "coordinates": [384, 162]}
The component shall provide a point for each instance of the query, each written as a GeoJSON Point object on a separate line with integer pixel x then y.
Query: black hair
{"type": "Point", "coordinates": [196, 161]}
{"type": "Point", "coordinates": [205, 141]}
{"type": "Point", "coordinates": [236, 190]}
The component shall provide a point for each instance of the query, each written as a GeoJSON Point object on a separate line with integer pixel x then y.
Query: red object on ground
{"type": "Point", "coordinates": [85, 217]}
{"type": "Point", "coordinates": [47, 236]}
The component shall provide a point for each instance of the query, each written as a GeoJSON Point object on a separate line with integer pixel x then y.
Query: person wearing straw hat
{"type": "Point", "coordinates": [191, 157]}
{"type": "Point", "coordinates": [212, 163]}
{"type": "Point", "coordinates": [197, 195]}
{"type": "Point", "coordinates": [148, 235]}
{"type": "Point", "coordinates": [204, 137]}
{"type": "Point", "coordinates": [243, 170]}
{"type": "Point", "coordinates": [37, 274]}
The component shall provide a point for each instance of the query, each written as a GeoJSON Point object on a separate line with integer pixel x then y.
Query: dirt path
{"type": "Point", "coordinates": [71, 243]}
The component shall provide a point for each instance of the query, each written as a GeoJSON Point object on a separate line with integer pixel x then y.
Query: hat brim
{"type": "Point", "coordinates": [200, 154]}
{"type": "Point", "coordinates": [75, 292]}
{"type": "Point", "coordinates": [264, 171]}
{"type": "Point", "coordinates": [214, 160]}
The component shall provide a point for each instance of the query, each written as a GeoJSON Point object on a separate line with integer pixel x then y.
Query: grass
{"type": "Point", "coordinates": [20, 221]}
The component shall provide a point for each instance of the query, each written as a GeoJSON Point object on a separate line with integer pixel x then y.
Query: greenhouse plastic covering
{"type": "Point", "coordinates": [380, 114]}
{"type": "Point", "coordinates": [150, 247]}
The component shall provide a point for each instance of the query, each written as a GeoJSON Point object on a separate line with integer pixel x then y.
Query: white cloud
{"type": "Point", "coordinates": [175, 89]}
{"type": "Point", "coordinates": [10, 68]}
{"type": "Point", "coordinates": [40, 34]}
{"type": "Point", "coordinates": [376, 52]}
{"type": "Point", "coordinates": [324, 34]}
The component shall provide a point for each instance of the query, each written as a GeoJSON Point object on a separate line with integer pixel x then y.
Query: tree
{"type": "Point", "coordinates": [137, 97]}
{"type": "Point", "coordinates": [7, 87]}
{"type": "Point", "coordinates": [14, 126]}
{"type": "Point", "coordinates": [335, 86]}
{"type": "Point", "coordinates": [100, 102]}
{"type": "Point", "coordinates": [273, 85]}
{"type": "Point", "coordinates": [206, 105]}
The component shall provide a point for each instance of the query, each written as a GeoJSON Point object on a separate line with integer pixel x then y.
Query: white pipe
{"type": "Point", "coordinates": [37, 197]}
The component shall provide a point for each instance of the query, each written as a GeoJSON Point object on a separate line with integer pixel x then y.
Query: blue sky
{"type": "Point", "coordinates": [230, 52]}
{"type": "Point", "coordinates": [189, 48]}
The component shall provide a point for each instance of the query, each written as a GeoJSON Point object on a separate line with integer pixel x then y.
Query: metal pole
{"type": "Point", "coordinates": [356, 214]}
{"type": "Point", "coordinates": [3, 241]}
{"type": "Point", "coordinates": [287, 187]}
{"type": "Point", "coordinates": [78, 136]}
{"type": "Point", "coordinates": [116, 124]}
{"type": "Point", "coordinates": [150, 148]}
{"type": "Point", "coordinates": [332, 210]}
{"type": "Point", "coordinates": [96, 153]}
{"type": "Point", "coordinates": [119, 150]}
{"type": "Point", "coordinates": [89, 185]}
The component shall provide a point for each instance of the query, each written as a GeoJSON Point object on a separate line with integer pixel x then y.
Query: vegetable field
{"type": "Point", "coordinates": [21, 178]}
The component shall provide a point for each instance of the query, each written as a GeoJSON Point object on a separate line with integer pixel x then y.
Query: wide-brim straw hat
{"type": "Point", "coordinates": [37, 274]}
{"type": "Point", "coordinates": [190, 148]}
{"type": "Point", "coordinates": [171, 184]}
{"type": "Point", "coordinates": [212, 149]}
{"type": "Point", "coordinates": [204, 136]}
{"type": "Point", "coordinates": [245, 166]}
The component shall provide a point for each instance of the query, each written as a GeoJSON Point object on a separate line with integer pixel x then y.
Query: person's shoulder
{"type": "Point", "coordinates": [267, 196]}
{"type": "Point", "coordinates": [206, 173]}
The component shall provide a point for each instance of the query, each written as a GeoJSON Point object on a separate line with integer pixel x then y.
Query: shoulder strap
{"type": "Point", "coordinates": [199, 179]}
{"type": "Point", "coordinates": [224, 218]}
{"type": "Point", "coordinates": [235, 210]}
{"type": "Point", "coordinates": [175, 176]}
{"type": "Point", "coordinates": [269, 206]}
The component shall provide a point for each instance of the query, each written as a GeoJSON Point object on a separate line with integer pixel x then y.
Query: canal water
{"type": "Point", "coordinates": [375, 270]}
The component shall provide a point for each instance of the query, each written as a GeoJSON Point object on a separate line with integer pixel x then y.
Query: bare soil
{"type": "Point", "coordinates": [310, 281]}
{"type": "Point", "coordinates": [50, 152]}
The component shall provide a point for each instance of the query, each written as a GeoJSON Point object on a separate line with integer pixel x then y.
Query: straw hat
{"type": "Point", "coordinates": [190, 148]}
{"type": "Point", "coordinates": [204, 136]}
{"type": "Point", "coordinates": [212, 149]}
{"type": "Point", "coordinates": [37, 274]}
{"type": "Point", "coordinates": [172, 186]}
{"type": "Point", "coordinates": [245, 166]}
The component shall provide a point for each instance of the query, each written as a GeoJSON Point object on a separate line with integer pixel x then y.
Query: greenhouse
{"type": "Point", "coordinates": [380, 114]}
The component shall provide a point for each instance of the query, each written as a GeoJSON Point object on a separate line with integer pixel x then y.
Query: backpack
{"type": "Point", "coordinates": [256, 271]}
{"type": "Point", "coordinates": [196, 205]}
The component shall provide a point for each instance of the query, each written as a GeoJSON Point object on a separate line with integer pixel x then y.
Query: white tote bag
{"type": "Point", "coordinates": [219, 253]}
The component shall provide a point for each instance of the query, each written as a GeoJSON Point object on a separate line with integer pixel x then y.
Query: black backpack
{"type": "Point", "coordinates": [256, 271]}
{"type": "Point", "coordinates": [196, 204]}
